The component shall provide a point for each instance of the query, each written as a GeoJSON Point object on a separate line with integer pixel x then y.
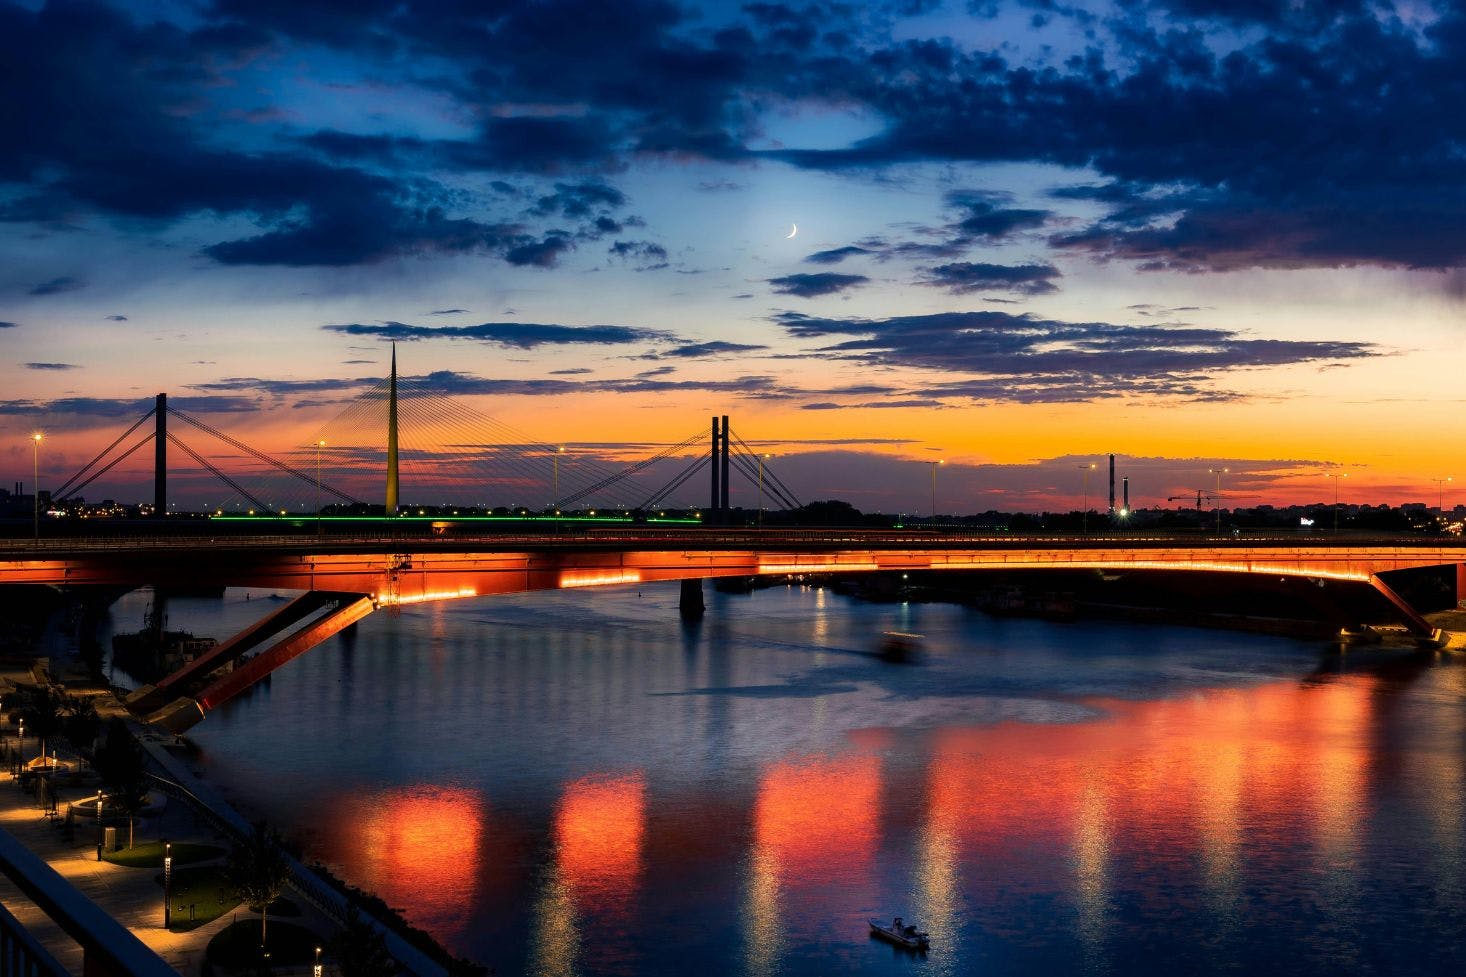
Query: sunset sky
{"type": "Point", "coordinates": [1194, 233]}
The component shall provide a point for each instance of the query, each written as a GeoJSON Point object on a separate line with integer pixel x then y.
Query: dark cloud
{"type": "Point", "coordinates": [715, 348]}
{"type": "Point", "coordinates": [810, 286]}
{"type": "Point", "coordinates": [51, 366]}
{"type": "Point", "coordinates": [836, 255]}
{"type": "Point", "coordinates": [9, 325]}
{"type": "Point", "coordinates": [125, 407]}
{"type": "Point", "coordinates": [448, 312]}
{"type": "Point", "coordinates": [643, 255]}
{"type": "Point", "coordinates": [116, 318]}
{"type": "Point", "coordinates": [55, 286]}
{"type": "Point", "coordinates": [925, 403]}
{"type": "Point", "coordinates": [282, 388]}
{"type": "Point", "coordinates": [573, 371]}
{"type": "Point", "coordinates": [1029, 359]}
{"type": "Point", "coordinates": [1254, 134]}
{"type": "Point", "coordinates": [963, 277]}
{"type": "Point", "coordinates": [523, 335]}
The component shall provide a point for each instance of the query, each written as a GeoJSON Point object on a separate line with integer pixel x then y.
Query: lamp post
{"type": "Point", "coordinates": [36, 481]}
{"type": "Point", "coordinates": [319, 446]}
{"type": "Point", "coordinates": [1336, 476]}
{"type": "Point", "coordinates": [1085, 517]}
{"type": "Point", "coordinates": [99, 824]}
{"type": "Point", "coordinates": [1217, 495]}
{"type": "Point", "coordinates": [316, 969]}
{"type": "Point", "coordinates": [761, 460]}
{"type": "Point", "coordinates": [20, 749]}
{"type": "Point", "coordinates": [935, 465]}
{"type": "Point", "coordinates": [1440, 494]}
{"type": "Point", "coordinates": [167, 884]}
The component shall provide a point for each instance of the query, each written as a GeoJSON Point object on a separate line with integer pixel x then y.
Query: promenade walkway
{"type": "Point", "coordinates": [133, 896]}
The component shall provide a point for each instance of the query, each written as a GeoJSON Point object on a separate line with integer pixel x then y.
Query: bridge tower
{"type": "Point", "coordinates": [718, 508]}
{"type": "Point", "coordinates": [392, 437]}
{"type": "Point", "coordinates": [160, 457]}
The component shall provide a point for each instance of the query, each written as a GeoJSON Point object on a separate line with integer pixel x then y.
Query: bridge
{"type": "Point", "coordinates": [343, 576]}
{"type": "Point", "coordinates": [343, 579]}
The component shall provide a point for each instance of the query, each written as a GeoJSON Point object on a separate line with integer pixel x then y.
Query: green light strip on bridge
{"type": "Point", "coordinates": [618, 520]}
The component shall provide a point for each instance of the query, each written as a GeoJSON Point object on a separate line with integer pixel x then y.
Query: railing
{"type": "Point", "coordinates": [330, 902]}
{"type": "Point", "coordinates": [108, 945]}
{"type": "Point", "coordinates": [20, 954]}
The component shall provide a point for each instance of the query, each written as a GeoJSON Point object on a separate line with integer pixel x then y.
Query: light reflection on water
{"type": "Point", "coordinates": [580, 784]}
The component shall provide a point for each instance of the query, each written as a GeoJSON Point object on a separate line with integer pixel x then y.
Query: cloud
{"type": "Point", "coordinates": [1027, 359]}
{"type": "Point", "coordinates": [810, 286]}
{"type": "Point", "coordinates": [9, 325]}
{"type": "Point", "coordinates": [103, 407]}
{"type": "Point", "coordinates": [56, 286]}
{"type": "Point", "coordinates": [448, 312]}
{"type": "Point", "coordinates": [963, 277]}
{"type": "Point", "coordinates": [642, 255]}
{"type": "Point", "coordinates": [521, 335]}
{"type": "Point", "coordinates": [116, 318]}
{"type": "Point", "coordinates": [836, 255]}
{"type": "Point", "coordinates": [51, 366]}
{"type": "Point", "coordinates": [715, 348]}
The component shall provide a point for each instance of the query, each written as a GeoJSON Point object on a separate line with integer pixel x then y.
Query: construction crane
{"type": "Point", "coordinates": [1200, 494]}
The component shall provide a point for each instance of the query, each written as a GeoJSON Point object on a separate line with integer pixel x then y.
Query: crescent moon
{"type": "Point", "coordinates": [793, 230]}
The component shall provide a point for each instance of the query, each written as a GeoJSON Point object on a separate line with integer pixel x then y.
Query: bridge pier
{"type": "Point", "coordinates": [690, 603]}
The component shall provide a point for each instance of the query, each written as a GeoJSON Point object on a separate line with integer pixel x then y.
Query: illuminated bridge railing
{"type": "Point", "coordinates": [20, 954]}
{"type": "Point", "coordinates": [109, 947]}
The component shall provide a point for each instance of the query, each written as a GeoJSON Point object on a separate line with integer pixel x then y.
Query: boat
{"type": "Point", "coordinates": [905, 936]}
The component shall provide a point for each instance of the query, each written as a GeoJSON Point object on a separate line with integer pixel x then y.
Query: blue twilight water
{"type": "Point", "coordinates": [577, 783]}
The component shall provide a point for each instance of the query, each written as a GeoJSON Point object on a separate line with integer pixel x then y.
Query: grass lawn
{"type": "Point", "coordinates": [237, 946]}
{"type": "Point", "coordinates": [201, 895]}
{"type": "Point", "coordinates": [202, 887]}
{"type": "Point", "coordinates": [150, 854]}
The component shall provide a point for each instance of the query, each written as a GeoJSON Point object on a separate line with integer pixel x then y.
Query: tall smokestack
{"type": "Point", "coordinates": [1126, 485]}
{"type": "Point", "coordinates": [1112, 486]}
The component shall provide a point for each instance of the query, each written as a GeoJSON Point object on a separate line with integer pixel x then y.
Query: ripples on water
{"type": "Point", "coordinates": [577, 783]}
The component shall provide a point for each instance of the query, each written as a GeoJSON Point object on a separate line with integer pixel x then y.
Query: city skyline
{"type": "Point", "coordinates": [1015, 236]}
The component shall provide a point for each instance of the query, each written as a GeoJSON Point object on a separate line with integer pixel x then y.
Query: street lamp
{"type": "Point", "coordinates": [167, 883]}
{"type": "Point", "coordinates": [935, 465]}
{"type": "Point", "coordinates": [319, 446]}
{"type": "Point", "coordinates": [20, 754]}
{"type": "Point", "coordinates": [1217, 495]}
{"type": "Point", "coordinates": [1336, 476]}
{"type": "Point", "coordinates": [761, 460]}
{"type": "Point", "coordinates": [1085, 517]}
{"type": "Point", "coordinates": [316, 969]}
{"type": "Point", "coordinates": [36, 481]}
{"type": "Point", "coordinates": [1440, 494]}
{"type": "Point", "coordinates": [99, 824]}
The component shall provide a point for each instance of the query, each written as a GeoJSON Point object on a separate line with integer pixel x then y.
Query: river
{"type": "Point", "coordinates": [578, 783]}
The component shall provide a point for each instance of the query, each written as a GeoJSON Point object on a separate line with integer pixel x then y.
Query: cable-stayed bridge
{"type": "Point", "coordinates": [382, 563]}
{"type": "Point", "coordinates": [403, 445]}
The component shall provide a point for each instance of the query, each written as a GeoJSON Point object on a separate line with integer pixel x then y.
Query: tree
{"type": "Point", "coordinates": [122, 765]}
{"type": "Point", "coordinates": [80, 722]}
{"type": "Point", "coordinates": [42, 711]}
{"type": "Point", "coordinates": [361, 950]}
{"type": "Point", "coordinates": [257, 871]}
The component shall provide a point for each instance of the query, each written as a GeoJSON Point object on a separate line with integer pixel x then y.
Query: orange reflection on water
{"type": "Point", "coordinates": [817, 818]}
{"type": "Point", "coordinates": [1181, 785]}
{"type": "Point", "coordinates": [423, 841]}
{"type": "Point", "coordinates": [598, 840]}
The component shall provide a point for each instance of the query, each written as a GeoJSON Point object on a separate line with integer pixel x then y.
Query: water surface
{"type": "Point", "coordinates": [579, 783]}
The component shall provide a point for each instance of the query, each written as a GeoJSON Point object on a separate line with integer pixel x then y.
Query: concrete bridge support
{"type": "Point", "coordinates": [690, 603]}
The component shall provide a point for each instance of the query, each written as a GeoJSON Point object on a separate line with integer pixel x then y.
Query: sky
{"type": "Point", "coordinates": [1013, 236]}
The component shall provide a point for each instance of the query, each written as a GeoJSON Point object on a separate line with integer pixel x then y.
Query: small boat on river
{"type": "Point", "coordinates": [904, 936]}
